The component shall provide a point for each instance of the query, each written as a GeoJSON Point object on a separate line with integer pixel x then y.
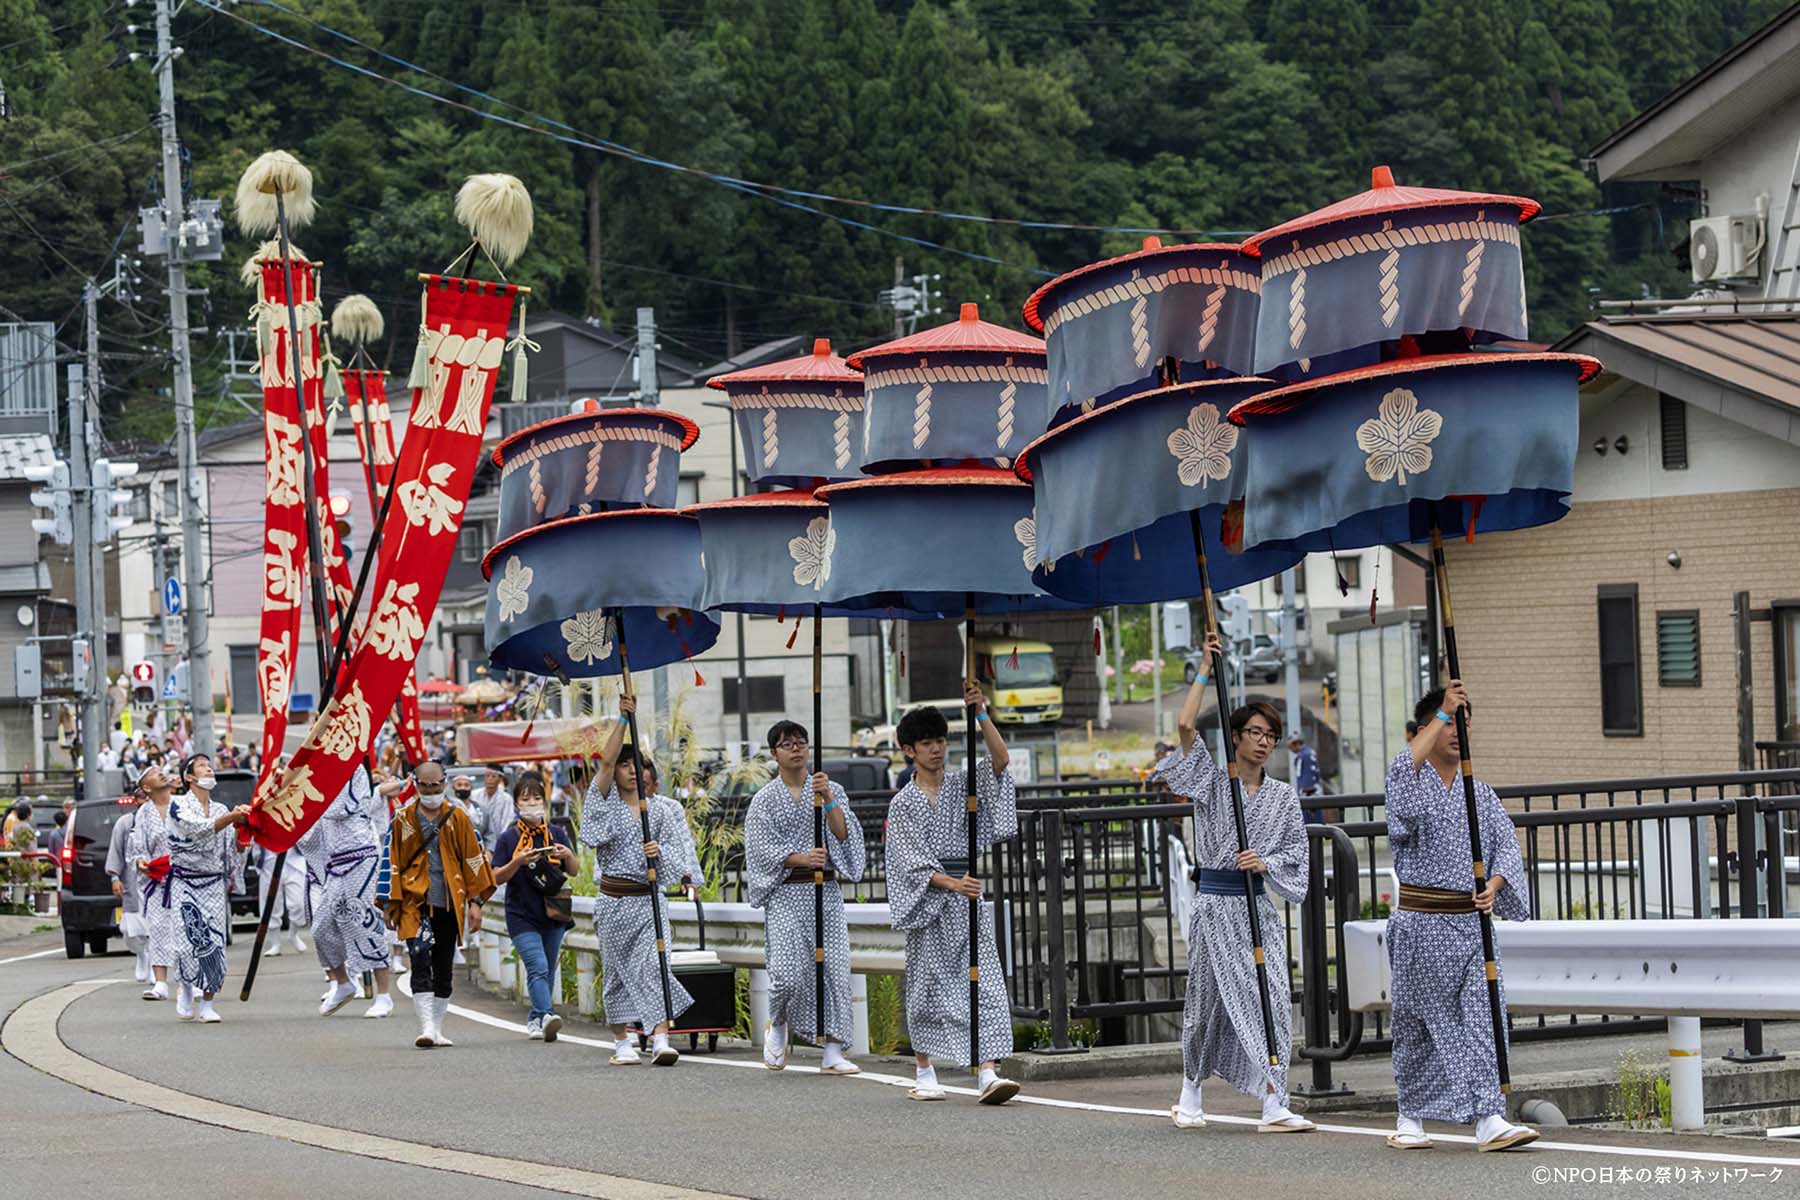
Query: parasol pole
{"type": "Point", "coordinates": [637, 753]}
{"type": "Point", "coordinates": [1473, 816]}
{"type": "Point", "coordinates": [1237, 794]}
{"type": "Point", "coordinates": [818, 698]}
{"type": "Point", "coordinates": [973, 806]}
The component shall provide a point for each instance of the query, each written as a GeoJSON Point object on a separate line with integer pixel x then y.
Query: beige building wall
{"type": "Point", "coordinates": [1528, 629]}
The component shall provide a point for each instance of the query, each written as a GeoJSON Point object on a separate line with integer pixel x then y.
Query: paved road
{"type": "Point", "coordinates": [559, 1116]}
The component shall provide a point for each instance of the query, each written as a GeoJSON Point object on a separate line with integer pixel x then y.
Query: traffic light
{"type": "Point", "coordinates": [143, 682]}
{"type": "Point", "coordinates": [341, 525]}
{"type": "Point", "coordinates": [59, 525]}
{"type": "Point", "coordinates": [81, 664]}
{"type": "Point", "coordinates": [110, 500]}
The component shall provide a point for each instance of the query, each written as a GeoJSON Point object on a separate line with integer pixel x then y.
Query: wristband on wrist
{"type": "Point", "coordinates": [980, 716]}
{"type": "Point", "coordinates": [1202, 680]}
{"type": "Point", "coordinates": [1443, 716]}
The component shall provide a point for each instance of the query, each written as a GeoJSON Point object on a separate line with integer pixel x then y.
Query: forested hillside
{"type": "Point", "coordinates": [1094, 118]}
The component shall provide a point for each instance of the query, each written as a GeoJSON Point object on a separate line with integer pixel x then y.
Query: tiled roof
{"type": "Point", "coordinates": [24, 450]}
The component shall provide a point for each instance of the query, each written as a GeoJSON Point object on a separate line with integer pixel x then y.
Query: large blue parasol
{"type": "Point", "coordinates": [1112, 327]}
{"type": "Point", "coordinates": [800, 419]}
{"type": "Point", "coordinates": [590, 461]}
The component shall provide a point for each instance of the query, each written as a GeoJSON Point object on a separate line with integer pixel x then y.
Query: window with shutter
{"type": "Point", "coordinates": [1674, 433]}
{"type": "Point", "coordinates": [1621, 687]}
{"type": "Point", "coordinates": [1678, 648]}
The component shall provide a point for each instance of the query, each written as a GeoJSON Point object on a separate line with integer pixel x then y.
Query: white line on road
{"type": "Point", "coordinates": [1163, 1113]}
{"type": "Point", "coordinates": [39, 954]}
{"type": "Point", "coordinates": [30, 1035]}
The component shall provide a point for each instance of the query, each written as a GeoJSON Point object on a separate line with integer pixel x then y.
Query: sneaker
{"type": "Point", "coordinates": [552, 1026]}
{"type": "Point", "coordinates": [339, 995]}
{"type": "Point", "coordinates": [534, 1029]}
{"type": "Point", "coordinates": [383, 1006]}
{"type": "Point", "coordinates": [625, 1054]}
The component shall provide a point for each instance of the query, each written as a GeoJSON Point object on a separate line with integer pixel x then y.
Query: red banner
{"type": "Point", "coordinates": [284, 506]}
{"type": "Point", "coordinates": [465, 339]}
{"type": "Point", "coordinates": [366, 394]}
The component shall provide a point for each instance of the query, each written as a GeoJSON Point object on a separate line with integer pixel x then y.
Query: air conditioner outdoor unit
{"type": "Point", "coordinates": [1727, 247]}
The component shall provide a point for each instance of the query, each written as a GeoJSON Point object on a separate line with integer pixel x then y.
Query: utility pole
{"type": "Point", "coordinates": [90, 606]}
{"type": "Point", "coordinates": [159, 557]}
{"type": "Point", "coordinates": [899, 282]}
{"type": "Point", "coordinates": [1156, 707]}
{"type": "Point", "coordinates": [650, 395]}
{"type": "Point", "coordinates": [193, 556]}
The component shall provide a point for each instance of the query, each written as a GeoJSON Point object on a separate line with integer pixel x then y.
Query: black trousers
{"type": "Point", "coordinates": [433, 953]}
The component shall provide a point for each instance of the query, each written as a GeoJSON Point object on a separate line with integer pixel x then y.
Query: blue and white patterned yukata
{"type": "Point", "coordinates": [149, 840]}
{"type": "Point", "coordinates": [343, 852]}
{"type": "Point", "coordinates": [921, 836]}
{"type": "Point", "coordinates": [631, 971]}
{"type": "Point", "coordinates": [777, 825]}
{"type": "Point", "coordinates": [1443, 1031]}
{"type": "Point", "coordinates": [1221, 1021]}
{"type": "Point", "coordinates": [200, 864]}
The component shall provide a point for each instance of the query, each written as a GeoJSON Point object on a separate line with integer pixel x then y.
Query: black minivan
{"type": "Point", "coordinates": [90, 911]}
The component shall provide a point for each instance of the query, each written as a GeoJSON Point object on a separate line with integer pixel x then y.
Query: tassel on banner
{"type": "Point", "coordinates": [1012, 660]}
{"type": "Point", "coordinates": [519, 345]}
{"type": "Point", "coordinates": [1098, 650]}
{"type": "Point", "coordinates": [1374, 599]}
{"type": "Point", "coordinates": [1100, 554]}
{"type": "Point", "coordinates": [419, 378]}
{"type": "Point", "coordinates": [1473, 505]}
{"type": "Point", "coordinates": [792, 636]}
{"type": "Point", "coordinates": [1137, 554]}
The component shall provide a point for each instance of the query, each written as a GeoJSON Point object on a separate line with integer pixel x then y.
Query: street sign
{"type": "Point", "coordinates": [172, 596]}
{"type": "Point", "coordinates": [1177, 631]}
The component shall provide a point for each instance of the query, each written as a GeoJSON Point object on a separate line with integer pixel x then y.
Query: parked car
{"type": "Point", "coordinates": [1259, 657]}
{"type": "Point", "coordinates": [90, 911]}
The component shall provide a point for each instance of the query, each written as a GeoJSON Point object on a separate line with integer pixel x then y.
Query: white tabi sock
{"type": "Point", "coordinates": [1406, 1125]}
{"type": "Point", "coordinates": [986, 1077]}
{"type": "Point", "coordinates": [779, 1035]}
{"type": "Point", "coordinates": [659, 1041]}
{"type": "Point", "coordinates": [1273, 1109]}
{"type": "Point", "coordinates": [621, 1045]}
{"type": "Point", "coordinates": [1490, 1127]}
{"type": "Point", "coordinates": [1190, 1096]}
{"type": "Point", "coordinates": [927, 1077]}
{"type": "Point", "coordinates": [834, 1054]}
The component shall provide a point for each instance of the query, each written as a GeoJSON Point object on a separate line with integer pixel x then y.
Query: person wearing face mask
{"type": "Point", "coordinates": [342, 852]}
{"type": "Point", "coordinates": [439, 872]}
{"type": "Point", "coordinates": [200, 862]}
{"type": "Point", "coordinates": [632, 968]}
{"type": "Point", "coordinates": [496, 804]}
{"type": "Point", "coordinates": [148, 851]}
{"type": "Point", "coordinates": [534, 859]}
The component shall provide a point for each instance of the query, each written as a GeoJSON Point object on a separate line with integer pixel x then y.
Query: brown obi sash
{"type": "Point", "coordinates": [619, 889]}
{"type": "Point", "coordinates": [805, 875]}
{"type": "Point", "coordinates": [1435, 900]}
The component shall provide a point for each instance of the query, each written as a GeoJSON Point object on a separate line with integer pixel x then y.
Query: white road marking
{"type": "Point", "coordinates": [1162, 1114]}
{"type": "Point", "coordinates": [39, 954]}
{"type": "Point", "coordinates": [30, 1035]}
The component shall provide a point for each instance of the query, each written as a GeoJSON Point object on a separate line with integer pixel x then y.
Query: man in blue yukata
{"type": "Point", "coordinates": [1444, 1063]}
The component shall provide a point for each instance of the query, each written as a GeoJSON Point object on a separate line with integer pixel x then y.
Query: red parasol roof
{"type": "Point", "coordinates": [929, 477]}
{"type": "Point", "coordinates": [1385, 196]}
{"type": "Point", "coordinates": [1196, 387]}
{"type": "Point", "coordinates": [968, 333]}
{"type": "Point", "coordinates": [1152, 247]}
{"type": "Point", "coordinates": [794, 498]}
{"type": "Point", "coordinates": [689, 431]}
{"type": "Point", "coordinates": [432, 686]}
{"type": "Point", "coordinates": [487, 561]}
{"type": "Point", "coordinates": [821, 366]}
{"type": "Point", "coordinates": [1289, 397]}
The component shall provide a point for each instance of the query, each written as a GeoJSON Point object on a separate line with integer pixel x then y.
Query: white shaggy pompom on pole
{"type": "Point", "coordinates": [356, 321]}
{"type": "Point", "coordinates": [274, 173]}
{"type": "Point", "coordinates": [496, 210]}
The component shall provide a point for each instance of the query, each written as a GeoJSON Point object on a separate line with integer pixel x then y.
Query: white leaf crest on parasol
{"type": "Point", "coordinates": [269, 251]}
{"type": "Point", "coordinates": [272, 172]}
{"type": "Point", "coordinates": [1202, 448]}
{"type": "Point", "coordinates": [1025, 530]}
{"type": "Point", "coordinates": [1399, 440]}
{"type": "Point", "coordinates": [812, 552]}
{"type": "Point", "coordinates": [514, 589]}
{"type": "Point", "coordinates": [496, 210]}
{"type": "Point", "coordinates": [356, 320]}
{"type": "Point", "coordinates": [588, 635]}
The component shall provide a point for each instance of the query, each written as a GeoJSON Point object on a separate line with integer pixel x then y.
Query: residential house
{"type": "Point", "coordinates": [1611, 643]}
